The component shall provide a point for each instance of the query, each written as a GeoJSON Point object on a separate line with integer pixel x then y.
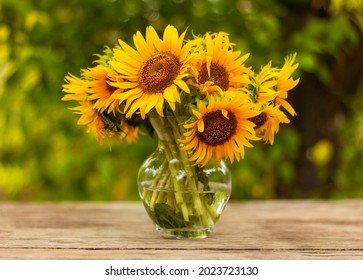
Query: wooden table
{"type": "Point", "coordinates": [294, 229]}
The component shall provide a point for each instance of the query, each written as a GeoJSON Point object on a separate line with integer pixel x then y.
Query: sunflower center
{"type": "Point", "coordinates": [218, 75]}
{"type": "Point", "coordinates": [217, 128]}
{"type": "Point", "coordinates": [159, 72]}
{"type": "Point", "coordinates": [259, 120]}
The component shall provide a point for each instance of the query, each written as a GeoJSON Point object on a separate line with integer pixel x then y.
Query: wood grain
{"type": "Point", "coordinates": [293, 229]}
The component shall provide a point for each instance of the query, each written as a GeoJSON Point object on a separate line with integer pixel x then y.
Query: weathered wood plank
{"type": "Point", "coordinates": [249, 230]}
{"type": "Point", "coordinates": [177, 254]}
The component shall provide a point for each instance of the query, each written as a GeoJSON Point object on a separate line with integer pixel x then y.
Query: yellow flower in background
{"type": "Point", "coordinates": [219, 67]}
{"type": "Point", "coordinates": [220, 128]}
{"type": "Point", "coordinates": [286, 83]}
{"type": "Point", "coordinates": [153, 72]}
{"type": "Point", "coordinates": [321, 153]}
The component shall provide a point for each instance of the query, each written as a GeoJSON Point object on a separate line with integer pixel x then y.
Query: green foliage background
{"type": "Point", "coordinates": [44, 155]}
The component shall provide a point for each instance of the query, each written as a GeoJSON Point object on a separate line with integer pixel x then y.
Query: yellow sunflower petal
{"type": "Point", "coordinates": [143, 48]}
{"type": "Point", "coordinates": [287, 106]}
{"type": "Point", "coordinates": [171, 94]}
{"type": "Point", "coordinates": [201, 125]}
{"type": "Point", "coordinates": [160, 105]}
{"type": "Point", "coordinates": [183, 85]}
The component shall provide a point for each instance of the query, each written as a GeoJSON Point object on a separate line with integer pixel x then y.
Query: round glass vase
{"type": "Point", "coordinates": [182, 199]}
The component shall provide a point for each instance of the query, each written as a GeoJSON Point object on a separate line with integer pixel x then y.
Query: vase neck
{"type": "Point", "coordinates": [169, 128]}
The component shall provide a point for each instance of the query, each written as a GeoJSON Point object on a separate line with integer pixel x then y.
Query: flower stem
{"type": "Point", "coordinates": [190, 170]}
{"type": "Point", "coordinates": [178, 184]}
{"type": "Point", "coordinates": [169, 131]}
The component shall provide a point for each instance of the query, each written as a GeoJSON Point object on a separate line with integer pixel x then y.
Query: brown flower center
{"type": "Point", "coordinates": [159, 72]}
{"type": "Point", "coordinates": [217, 128]}
{"type": "Point", "coordinates": [259, 120]}
{"type": "Point", "coordinates": [218, 75]}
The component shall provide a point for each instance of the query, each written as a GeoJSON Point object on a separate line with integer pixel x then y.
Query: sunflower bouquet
{"type": "Point", "coordinates": [201, 100]}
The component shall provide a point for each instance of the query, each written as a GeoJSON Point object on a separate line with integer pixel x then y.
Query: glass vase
{"type": "Point", "coordinates": [182, 199]}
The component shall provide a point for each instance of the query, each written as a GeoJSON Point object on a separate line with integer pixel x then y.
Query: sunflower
{"type": "Point", "coordinates": [97, 107]}
{"type": "Point", "coordinates": [285, 83]}
{"type": "Point", "coordinates": [153, 72]}
{"type": "Point", "coordinates": [219, 67]}
{"type": "Point", "coordinates": [219, 128]}
{"type": "Point", "coordinates": [104, 125]}
{"type": "Point", "coordinates": [76, 88]}
{"type": "Point", "coordinates": [99, 89]}
{"type": "Point", "coordinates": [263, 84]}
{"type": "Point", "coordinates": [92, 118]}
{"type": "Point", "coordinates": [119, 127]}
{"type": "Point", "coordinates": [93, 86]}
{"type": "Point", "coordinates": [268, 121]}
{"type": "Point", "coordinates": [131, 133]}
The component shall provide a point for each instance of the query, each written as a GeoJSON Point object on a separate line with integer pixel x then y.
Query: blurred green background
{"type": "Point", "coordinates": [44, 155]}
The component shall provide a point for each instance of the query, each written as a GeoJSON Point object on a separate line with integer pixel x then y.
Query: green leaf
{"type": "Point", "coordinates": [167, 217]}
